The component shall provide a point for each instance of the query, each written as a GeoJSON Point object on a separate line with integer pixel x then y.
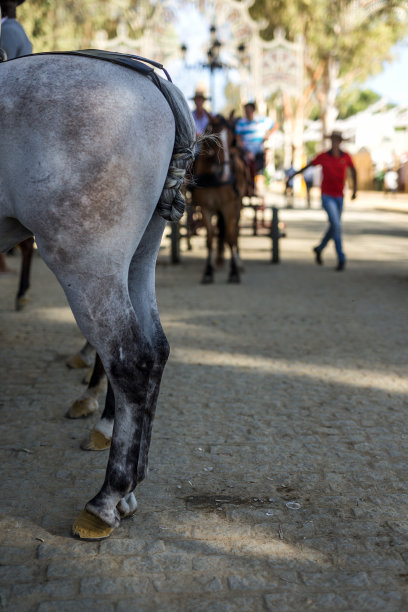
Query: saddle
{"type": "Point", "coordinates": [134, 62]}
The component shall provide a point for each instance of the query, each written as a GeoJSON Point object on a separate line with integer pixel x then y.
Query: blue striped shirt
{"type": "Point", "coordinates": [253, 132]}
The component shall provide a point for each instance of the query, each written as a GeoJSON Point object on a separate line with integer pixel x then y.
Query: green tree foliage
{"type": "Point", "coordinates": [352, 100]}
{"type": "Point", "coordinates": [54, 25]}
{"type": "Point", "coordinates": [331, 28]}
{"type": "Point", "coordinates": [341, 45]}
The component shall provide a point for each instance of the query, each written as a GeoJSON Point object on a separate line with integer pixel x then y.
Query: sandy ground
{"type": "Point", "coordinates": [278, 464]}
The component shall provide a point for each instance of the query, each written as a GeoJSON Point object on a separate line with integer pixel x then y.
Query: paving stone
{"type": "Point", "coordinates": [15, 555]}
{"type": "Point", "coordinates": [51, 588]}
{"type": "Point", "coordinates": [155, 564]}
{"type": "Point", "coordinates": [183, 583]}
{"type": "Point", "coordinates": [17, 573]}
{"type": "Point", "coordinates": [104, 585]}
{"type": "Point", "coordinates": [376, 600]}
{"type": "Point", "coordinates": [227, 605]}
{"type": "Point", "coordinates": [86, 605]}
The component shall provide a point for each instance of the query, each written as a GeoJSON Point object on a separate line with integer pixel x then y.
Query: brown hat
{"type": "Point", "coordinates": [199, 93]}
{"type": "Point", "coordinates": [336, 134]}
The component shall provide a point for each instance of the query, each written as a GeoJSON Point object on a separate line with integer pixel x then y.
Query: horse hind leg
{"type": "Point", "coordinates": [100, 436]}
{"type": "Point", "coordinates": [220, 240]}
{"type": "Point", "coordinates": [143, 296]}
{"type": "Point", "coordinates": [137, 354]}
{"type": "Point", "coordinates": [208, 274]}
{"type": "Point", "coordinates": [231, 234]}
{"type": "Point", "coordinates": [27, 249]}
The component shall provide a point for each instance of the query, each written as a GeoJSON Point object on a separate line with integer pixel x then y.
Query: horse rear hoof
{"type": "Point", "coordinates": [82, 407]}
{"type": "Point", "coordinates": [90, 527]}
{"type": "Point", "coordinates": [21, 302]}
{"type": "Point", "coordinates": [207, 279]}
{"type": "Point", "coordinates": [96, 441]}
{"type": "Point", "coordinates": [234, 279]}
{"type": "Point", "coordinates": [77, 361]}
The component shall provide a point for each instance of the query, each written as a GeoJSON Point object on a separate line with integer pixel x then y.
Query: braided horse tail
{"type": "Point", "coordinates": [171, 203]}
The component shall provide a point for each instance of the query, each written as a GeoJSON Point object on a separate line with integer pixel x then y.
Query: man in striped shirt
{"type": "Point", "coordinates": [251, 132]}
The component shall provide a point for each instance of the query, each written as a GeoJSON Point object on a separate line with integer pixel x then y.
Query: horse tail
{"type": "Point", "coordinates": [171, 203]}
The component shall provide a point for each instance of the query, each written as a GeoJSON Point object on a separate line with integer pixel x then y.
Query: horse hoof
{"type": "Point", "coordinates": [127, 506]}
{"type": "Point", "coordinates": [21, 302]}
{"type": "Point", "coordinates": [234, 280]}
{"type": "Point", "coordinates": [77, 361]}
{"type": "Point", "coordinates": [207, 280]}
{"type": "Point", "coordinates": [82, 407]}
{"type": "Point", "coordinates": [86, 379]}
{"type": "Point", "coordinates": [90, 527]}
{"type": "Point", "coordinates": [96, 441]}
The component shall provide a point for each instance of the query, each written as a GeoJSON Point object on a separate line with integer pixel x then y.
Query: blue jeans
{"type": "Point", "coordinates": [334, 207]}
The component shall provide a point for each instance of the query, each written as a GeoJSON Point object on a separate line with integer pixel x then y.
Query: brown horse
{"type": "Point", "coordinates": [220, 183]}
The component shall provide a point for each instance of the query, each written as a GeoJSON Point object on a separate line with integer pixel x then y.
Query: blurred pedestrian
{"type": "Point", "coordinates": [390, 181]}
{"type": "Point", "coordinates": [290, 185]}
{"type": "Point", "coordinates": [334, 165]}
{"type": "Point", "coordinates": [252, 131]}
{"type": "Point", "coordinates": [200, 115]}
{"type": "Point", "coordinates": [15, 43]}
{"type": "Point", "coordinates": [308, 177]}
{"type": "Point", "coordinates": [13, 38]}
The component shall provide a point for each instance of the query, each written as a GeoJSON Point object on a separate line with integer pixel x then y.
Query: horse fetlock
{"type": "Point", "coordinates": [83, 407]}
{"type": "Point", "coordinates": [127, 506]}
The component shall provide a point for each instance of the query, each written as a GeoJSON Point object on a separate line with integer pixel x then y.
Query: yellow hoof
{"type": "Point", "coordinates": [96, 441]}
{"type": "Point", "coordinates": [76, 361]}
{"type": "Point", "coordinates": [90, 527]}
{"type": "Point", "coordinates": [82, 407]}
{"type": "Point", "coordinates": [21, 302]}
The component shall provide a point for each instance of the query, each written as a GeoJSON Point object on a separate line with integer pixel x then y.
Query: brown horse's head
{"type": "Point", "coordinates": [213, 162]}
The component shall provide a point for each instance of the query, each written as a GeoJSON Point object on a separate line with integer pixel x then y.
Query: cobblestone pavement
{"type": "Point", "coordinates": [278, 473]}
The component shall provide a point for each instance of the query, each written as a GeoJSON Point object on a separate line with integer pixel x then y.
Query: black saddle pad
{"type": "Point", "coordinates": [135, 62]}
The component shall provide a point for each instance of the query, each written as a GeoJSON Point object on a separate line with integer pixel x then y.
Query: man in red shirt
{"type": "Point", "coordinates": [334, 165]}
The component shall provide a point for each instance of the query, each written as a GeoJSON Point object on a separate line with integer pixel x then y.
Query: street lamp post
{"type": "Point", "coordinates": [213, 63]}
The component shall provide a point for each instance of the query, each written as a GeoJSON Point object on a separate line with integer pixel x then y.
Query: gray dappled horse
{"type": "Point", "coordinates": [92, 156]}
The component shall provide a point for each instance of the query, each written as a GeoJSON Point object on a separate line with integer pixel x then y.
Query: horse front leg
{"type": "Point", "coordinates": [220, 240]}
{"type": "Point", "coordinates": [232, 240]}
{"type": "Point", "coordinates": [83, 358]}
{"type": "Point", "coordinates": [27, 249]}
{"type": "Point", "coordinates": [208, 274]}
{"type": "Point", "coordinates": [87, 404]}
{"type": "Point", "coordinates": [100, 436]}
